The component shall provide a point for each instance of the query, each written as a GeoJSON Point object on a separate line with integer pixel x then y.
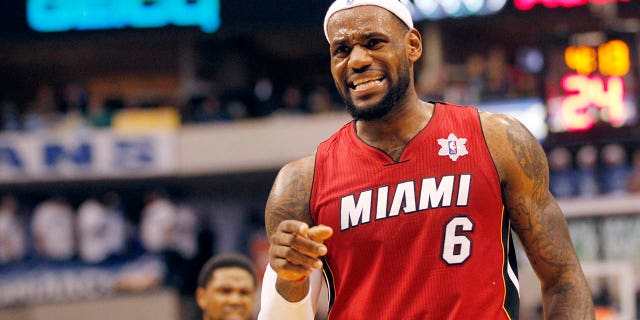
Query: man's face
{"type": "Point", "coordinates": [368, 60]}
{"type": "Point", "coordinates": [229, 295]}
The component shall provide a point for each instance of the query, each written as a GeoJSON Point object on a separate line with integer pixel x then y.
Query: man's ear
{"type": "Point", "coordinates": [200, 298]}
{"type": "Point", "coordinates": [414, 45]}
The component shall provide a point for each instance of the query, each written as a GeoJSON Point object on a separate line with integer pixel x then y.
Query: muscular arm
{"type": "Point", "coordinates": [537, 219]}
{"type": "Point", "coordinates": [290, 194]}
{"type": "Point", "coordinates": [294, 247]}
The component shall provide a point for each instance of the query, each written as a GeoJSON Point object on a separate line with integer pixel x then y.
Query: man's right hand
{"type": "Point", "coordinates": [296, 248]}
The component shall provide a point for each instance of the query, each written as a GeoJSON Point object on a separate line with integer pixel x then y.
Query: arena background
{"type": "Point", "coordinates": [99, 103]}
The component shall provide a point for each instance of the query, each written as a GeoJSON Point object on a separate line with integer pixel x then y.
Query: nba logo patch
{"type": "Point", "coordinates": [350, 2]}
{"type": "Point", "coordinates": [453, 147]}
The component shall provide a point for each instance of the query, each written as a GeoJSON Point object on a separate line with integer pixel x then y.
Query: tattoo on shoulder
{"type": "Point", "coordinates": [531, 159]}
{"type": "Point", "coordinates": [525, 148]}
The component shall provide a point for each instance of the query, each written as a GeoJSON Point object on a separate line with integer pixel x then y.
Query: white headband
{"type": "Point", "coordinates": [394, 6]}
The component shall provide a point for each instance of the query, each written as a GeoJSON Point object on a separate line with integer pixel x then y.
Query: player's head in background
{"type": "Point", "coordinates": [373, 48]}
{"type": "Point", "coordinates": [227, 286]}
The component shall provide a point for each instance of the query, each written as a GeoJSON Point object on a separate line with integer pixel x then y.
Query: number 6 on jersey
{"type": "Point", "coordinates": [456, 248]}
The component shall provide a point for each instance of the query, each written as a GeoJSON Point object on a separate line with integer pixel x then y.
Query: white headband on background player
{"type": "Point", "coordinates": [394, 6]}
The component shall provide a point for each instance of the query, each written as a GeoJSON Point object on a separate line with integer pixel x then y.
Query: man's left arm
{"type": "Point", "coordinates": [537, 219]}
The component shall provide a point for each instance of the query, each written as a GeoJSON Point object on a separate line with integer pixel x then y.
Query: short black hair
{"type": "Point", "coordinates": [226, 260]}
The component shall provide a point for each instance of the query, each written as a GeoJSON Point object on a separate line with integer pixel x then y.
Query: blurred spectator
{"type": "Point", "coordinates": [185, 240]}
{"type": "Point", "coordinates": [101, 232]}
{"type": "Point", "coordinates": [587, 175]}
{"type": "Point", "coordinates": [497, 85]}
{"type": "Point", "coordinates": [634, 177]}
{"type": "Point", "coordinates": [119, 226]}
{"type": "Point", "coordinates": [158, 223]}
{"type": "Point", "coordinates": [475, 68]}
{"type": "Point", "coordinates": [237, 109]}
{"type": "Point", "coordinates": [263, 90]}
{"type": "Point", "coordinates": [166, 226]}
{"type": "Point", "coordinates": [10, 115]}
{"type": "Point", "coordinates": [74, 105]}
{"type": "Point", "coordinates": [433, 83]}
{"type": "Point", "coordinates": [525, 85]}
{"type": "Point", "coordinates": [319, 100]}
{"type": "Point", "coordinates": [74, 96]}
{"type": "Point", "coordinates": [616, 169]}
{"type": "Point", "coordinates": [561, 174]}
{"type": "Point", "coordinates": [182, 259]}
{"type": "Point", "coordinates": [42, 111]}
{"type": "Point", "coordinates": [12, 232]}
{"type": "Point", "coordinates": [292, 101]}
{"type": "Point", "coordinates": [457, 86]}
{"type": "Point", "coordinates": [170, 231]}
{"type": "Point", "coordinates": [92, 231]}
{"type": "Point", "coordinates": [72, 121]}
{"type": "Point", "coordinates": [52, 226]}
{"type": "Point", "coordinates": [207, 108]}
{"type": "Point", "coordinates": [100, 113]}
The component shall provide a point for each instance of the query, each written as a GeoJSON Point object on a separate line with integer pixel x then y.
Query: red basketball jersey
{"type": "Point", "coordinates": [425, 237]}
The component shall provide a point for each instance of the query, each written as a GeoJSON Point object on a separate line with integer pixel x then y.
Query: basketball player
{"type": "Point", "coordinates": [226, 288]}
{"type": "Point", "coordinates": [408, 208]}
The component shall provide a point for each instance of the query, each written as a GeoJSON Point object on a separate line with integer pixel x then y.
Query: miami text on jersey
{"type": "Point", "coordinates": [431, 194]}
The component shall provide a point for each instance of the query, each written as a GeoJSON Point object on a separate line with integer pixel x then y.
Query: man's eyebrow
{"type": "Point", "coordinates": [373, 34]}
{"type": "Point", "coordinates": [338, 42]}
{"type": "Point", "coordinates": [363, 36]}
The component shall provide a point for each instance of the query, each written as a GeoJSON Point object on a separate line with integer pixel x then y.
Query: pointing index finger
{"type": "Point", "coordinates": [320, 233]}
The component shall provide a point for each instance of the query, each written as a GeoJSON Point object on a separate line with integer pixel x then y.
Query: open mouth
{"type": "Point", "coordinates": [366, 83]}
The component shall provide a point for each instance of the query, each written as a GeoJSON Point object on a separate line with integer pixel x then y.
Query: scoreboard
{"type": "Point", "coordinates": [591, 82]}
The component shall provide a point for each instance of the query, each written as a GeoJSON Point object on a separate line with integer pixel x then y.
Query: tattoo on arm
{"type": "Point", "coordinates": [532, 162]}
{"type": "Point", "coordinates": [289, 199]}
{"type": "Point", "coordinates": [528, 215]}
{"type": "Point", "coordinates": [520, 210]}
{"type": "Point", "coordinates": [539, 222]}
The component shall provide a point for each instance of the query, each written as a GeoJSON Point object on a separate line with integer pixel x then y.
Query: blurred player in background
{"type": "Point", "coordinates": [227, 287]}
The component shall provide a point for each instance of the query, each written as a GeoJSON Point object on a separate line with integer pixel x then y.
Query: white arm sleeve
{"type": "Point", "coordinates": [274, 306]}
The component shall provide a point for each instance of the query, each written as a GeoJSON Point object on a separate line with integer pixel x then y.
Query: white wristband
{"type": "Point", "coordinates": [274, 306]}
